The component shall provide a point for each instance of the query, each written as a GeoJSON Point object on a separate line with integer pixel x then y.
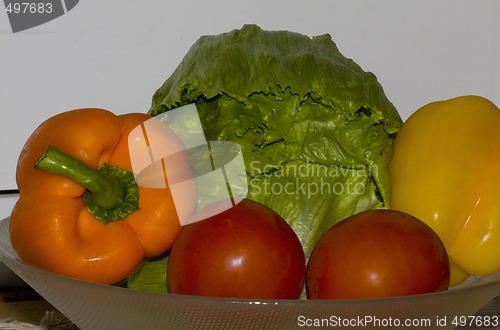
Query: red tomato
{"type": "Point", "coordinates": [376, 254]}
{"type": "Point", "coordinates": [247, 251]}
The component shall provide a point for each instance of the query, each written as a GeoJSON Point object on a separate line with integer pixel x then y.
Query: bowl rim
{"type": "Point", "coordinates": [11, 260]}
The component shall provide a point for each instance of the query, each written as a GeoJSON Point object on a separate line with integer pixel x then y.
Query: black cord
{"type": "Point", "coordinates": [9, 192]}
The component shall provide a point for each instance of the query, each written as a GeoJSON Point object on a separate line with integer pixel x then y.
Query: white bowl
{"type": "Point", "coordinates": [94, 306]}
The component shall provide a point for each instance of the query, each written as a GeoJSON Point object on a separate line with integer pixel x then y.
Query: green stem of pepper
{"type": "Point", "coordinates": [112, 192]}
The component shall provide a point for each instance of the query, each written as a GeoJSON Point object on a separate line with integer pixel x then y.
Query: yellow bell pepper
{"type": "Point", "coordinates": [445, 171]}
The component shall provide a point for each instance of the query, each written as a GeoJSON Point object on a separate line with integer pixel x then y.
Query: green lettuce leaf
{"type": "Point", "coordinates": [150, 275]}
{"type": "Point", "coordinates": [316, 130]}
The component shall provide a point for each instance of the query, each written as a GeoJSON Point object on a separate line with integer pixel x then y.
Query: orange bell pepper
{"type": "Point", "coordinates": [76, 214]}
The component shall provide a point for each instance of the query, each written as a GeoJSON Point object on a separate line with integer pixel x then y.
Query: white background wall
{"type": "Point", "coordinates": [114, 54]}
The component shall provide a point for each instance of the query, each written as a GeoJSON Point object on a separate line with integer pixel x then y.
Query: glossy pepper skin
{"type": "Point", "coordinates": [50, 226]}
{"type": "Point", "coordinates": [445, 171]}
